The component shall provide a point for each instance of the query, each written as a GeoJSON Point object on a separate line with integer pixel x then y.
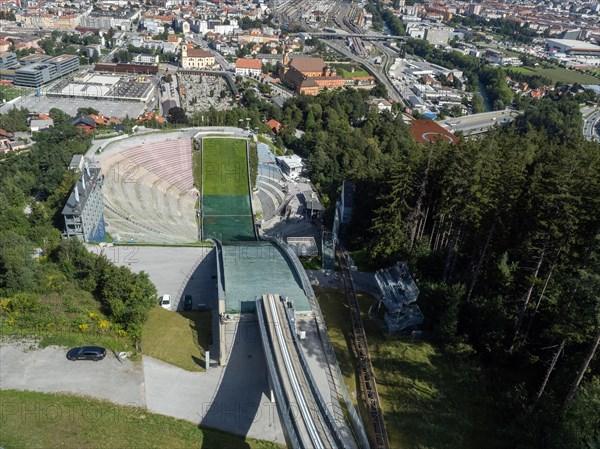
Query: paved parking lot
{"type": "Point", "coordinates": [173, 270]}
{"type": "Point", "coordinates": [43, 104]}
{"type": "Point", "coordinates": [22, 367]}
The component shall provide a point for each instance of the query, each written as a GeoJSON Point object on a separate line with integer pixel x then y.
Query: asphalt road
{"type": "Point", "coordinates": [230, 398]}
{"type": "Point", "coordinates": [392, 91]}
{"type": "Point", "coordinates": [591, 125]}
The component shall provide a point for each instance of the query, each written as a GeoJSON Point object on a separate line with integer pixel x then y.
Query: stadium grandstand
{"type": "Point", "coordinates": [270, 183]}
{"type": "Point", "coordinates": [149, 193]}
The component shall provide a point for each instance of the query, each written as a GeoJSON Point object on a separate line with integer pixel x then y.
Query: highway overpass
{"type": "Point", "coordinates": [381, 77]}
{"type": "Point", "coordinates": [591, 124]}
{"type": "Point", "coordinates": [363, 36]}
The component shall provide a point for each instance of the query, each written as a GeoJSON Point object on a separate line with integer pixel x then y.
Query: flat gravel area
{"type": "Point", "coordinates": [48, 370]}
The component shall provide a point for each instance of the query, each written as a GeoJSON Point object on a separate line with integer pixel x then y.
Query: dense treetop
{"type": "Point", "coordinates": [69, 288]}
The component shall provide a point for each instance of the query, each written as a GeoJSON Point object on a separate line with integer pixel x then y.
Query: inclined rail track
{"type": "Point", "coordinates": [378, 433]}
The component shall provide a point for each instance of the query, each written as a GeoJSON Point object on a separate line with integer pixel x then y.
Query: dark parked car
{"type": "Point", "coordinates": [187, 302]}
{"type": "Point", "coordinates": [94, 353]}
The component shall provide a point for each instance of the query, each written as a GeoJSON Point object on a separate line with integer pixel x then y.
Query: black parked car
{"type": "Point", "coordinates": [187, 302]}
{"type": "Point", "coordinates": [94, 353]}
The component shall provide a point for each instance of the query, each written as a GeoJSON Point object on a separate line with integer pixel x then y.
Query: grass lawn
{"type": "Point", "coordinates": [11, 92]}
{"type": "Point", "coordinates": [430, 399]}
{"type": "Point", "coordinates": [276, 150]}
{"type": "Point", "coordinates": [348, 74]}
{"type": "Point", "coordinates": [40, 420]}
{"type": "Point", "coordinates": [558, 74]}
{"type": "Point", "coordinates": [177, 338]}
{"type": "Point", "coordinates": [224, 167]}
{"type": "Point", "coordinates": [312, 263]}
{"type": "Point", "coordinates": [197, 169]}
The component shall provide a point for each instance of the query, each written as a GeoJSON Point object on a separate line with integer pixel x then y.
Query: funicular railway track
{"type": "Point", "coordinates": [376, 425]}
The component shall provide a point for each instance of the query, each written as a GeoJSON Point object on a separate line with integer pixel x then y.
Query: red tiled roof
{"type": "Point", "coordinates": [274, 125]}
{"type": "Point", "coordinates": [198, 53]}
{"type": "Point", "coordinates": [304, 64]}
{"type": "Point", "coordinates": [248, 63]}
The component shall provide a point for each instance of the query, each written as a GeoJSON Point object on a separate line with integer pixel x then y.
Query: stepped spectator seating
{"type": "Point", "coordinates": [149, 193]}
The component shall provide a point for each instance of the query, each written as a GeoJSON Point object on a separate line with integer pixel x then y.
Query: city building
{"type": "Point", "coordinates": [83, 214]}
{"type": "Point", "coordinates": [312, 204]}
{"type": "Point", "coordinates": [379, 104]}
{"type": "Point", "coordinates": [310, 75]}
{"type": "Point", "coordinates": [65, 64]}
{"type": "Point", "coordinates": [103, 20]}
{"type": "Point", "coordinates": [42, 121]}
{"type": "Point", "coordinates": [181, 26]}
{"type": "Point", "coordinates": [571, 34]}
{"type": "Point", "coordinates": [37, 70]}
{"type": "Point", "coordinates": [573, 48]}
{"type": "Point", "coordinates": [35, 75]}
{"type": "Point", "coordinates": [145, 58]}
{"type": "Point", "coordinates": [34, 58]}
{"type": "Point", "coordinates": [291, 165]}
{"type": "Point", "coordinates": [49, 21]}
{"type": "Point", "coordinates": [274, 125]}
{"type": "Point", "coordinates": [195, 58]}
{"type": "Point", "coordinates": [438, 35]}
{"type": "Point", "coordinates": [269, 58]}
{"type": "Point", "coordinates": [121, 67]}
{"type": "Point", "coordinates": [497, 57]}
{"type": "Point", "coordinates": [248, 67]}
{"type": "Point", "coordinates": [434, 33]}
{"type": "Point", "coordinates": [8, 61]}
{"type": "Point", "coordinates": [474, 9]}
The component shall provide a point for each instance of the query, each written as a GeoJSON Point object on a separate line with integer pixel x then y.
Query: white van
{"type": "Point", "coordinates": [165, 301]}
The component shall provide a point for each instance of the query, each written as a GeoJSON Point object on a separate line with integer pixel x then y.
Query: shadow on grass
{"type": "Point", "coordinates": [216, 440]}
{"type": "Point", "coordinates": [430, 399]}
{"type": "Point", "coordinates": [201, 326]}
